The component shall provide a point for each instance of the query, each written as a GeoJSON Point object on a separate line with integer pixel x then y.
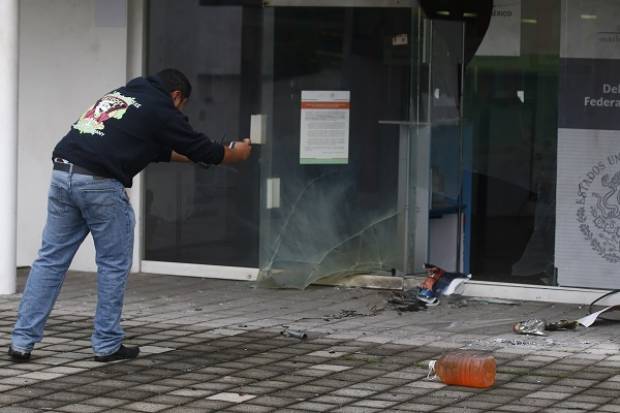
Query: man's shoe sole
{"type": "Point", "coordinates": [123, 353]}
{"type": "Point", "coordinates": [19, 356]}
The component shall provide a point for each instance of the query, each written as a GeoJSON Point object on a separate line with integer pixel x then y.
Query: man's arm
{"type": "Point", "coordinates": [239, 151]}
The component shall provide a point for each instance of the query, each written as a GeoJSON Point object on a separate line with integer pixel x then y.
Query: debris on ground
{"type": "Point", "coordinates": [588, 320]}
{"type": "Point", "coordinates": [437, 283]}
{"type": "Point", "coordinates": [406, 303]}
{"type": "Point", "coordinates": [562, 325]}
{"type": "Point", "coordinates": [538, 327]}
{"type": "Point", "coordinates": [533, 327]}
{"type": "Point", "coordinates": [347, 314]}
{"type": "Point", "coordinates": [372, 311]}
{"type": "Point", "coordinates": [515, 342]}
{"type": "Point", "coordinates": [300, 334]}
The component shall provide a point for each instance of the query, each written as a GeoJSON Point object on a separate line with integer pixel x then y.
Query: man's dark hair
{"type": "Point", "coordinates": [173, 79]}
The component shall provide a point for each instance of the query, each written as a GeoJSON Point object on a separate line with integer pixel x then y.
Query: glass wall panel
{"type": "Point", "coordinates": [194, 215]}
{"type": "Point", "coordinates": [511, 105]}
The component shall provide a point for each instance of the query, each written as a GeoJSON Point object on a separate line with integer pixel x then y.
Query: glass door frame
{"type": "Point", "coordinates": [414, 169]}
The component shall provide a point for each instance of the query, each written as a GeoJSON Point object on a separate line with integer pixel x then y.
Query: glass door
{"type": "Point", "coordinates": [336, 82]}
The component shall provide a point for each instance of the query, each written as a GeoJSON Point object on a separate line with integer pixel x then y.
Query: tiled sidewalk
{"type": "Point", "coordinates": [210, 345]}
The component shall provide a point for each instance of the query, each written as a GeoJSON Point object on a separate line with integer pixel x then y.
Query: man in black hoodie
{"type": "Point", "coordinates": [96, 160]}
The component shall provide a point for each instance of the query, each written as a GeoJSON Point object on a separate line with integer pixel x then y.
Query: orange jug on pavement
{"type": "Point", "coordinates": [465, 368]}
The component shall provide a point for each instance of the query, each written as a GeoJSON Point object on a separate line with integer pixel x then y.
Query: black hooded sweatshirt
{"type": "Point", "coordinates": [130, 127]}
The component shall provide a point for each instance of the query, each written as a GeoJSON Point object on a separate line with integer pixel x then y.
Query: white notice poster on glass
{"type": "Point", "coordinates": [324, 135]}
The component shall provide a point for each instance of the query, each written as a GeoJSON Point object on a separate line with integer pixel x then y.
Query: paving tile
{"type": "Point", "coordinates": [612, 385]}
{"type": "Point", "coordinates": [185, 409]}
{"type": "Point", "coordinates": [93, 389]}
{"type": "Point", "coordinates": [455, 409]}
{"type": "Point", "coordinates": [191, 393]}
{"type": "Point", "coordinates": [107, 402]}
{"type": "Point", "coordinates": [248, 408]}
{"type": "Point", "coordinates": [8, 399]}
{"type": "Point", "coordinates": [414, 407]}
{"type": "Point", "coordinates": [548, 395]}
{"type": "Point", "coordinates": [355, 409]}
{"type": "Point", "coordinates": [40, 376]}
{"type": "Point", "coordinates": [63, 370]}
{"type": "Point", "coordinates": [576, 405]}
{"type": "Point", "coordinates": [42, 403]}
{"type": "Point", "coordinates": [131, 394]}
{"type": "Point", "coordinates": [66, 396]}
{"type": "Point", "coordinates": [378, 404]}
{"type": "Point", "coordinates": [81, 408]}
{"type": "Point", "coordinates": [209, 405]}
{"type": "Point", "coordinates": [146, 407]}
{"type": "Point", "coordinates": [354, 393]}
{"type": "Point", "coordinates": [7, 372]}
{"type": "Point", "coordinates": [376, 387]}
{"type": "Point", "coordinates": [575, 382]}
{"type": "Point", "coordinates": [273, 401]}
{"type": "Point", "coordinates": [516, 408]}
{"type": "Point", "coordinates": [313, 407]}
{"type": "Point", "coordinates": [531, 401]}
{"type": "Point", "coordinates": [5, 387]}
{"type": "Point", "coordinates": [231, 397]}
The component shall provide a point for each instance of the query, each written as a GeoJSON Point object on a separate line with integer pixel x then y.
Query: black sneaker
{"type": "Point", "coordinates": [123, 353]}
{"type": "Point", "coordinates": [19, 356]}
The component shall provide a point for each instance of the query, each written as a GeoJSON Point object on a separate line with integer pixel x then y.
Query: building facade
{"type": "Point", "coordinates": [479, 137]}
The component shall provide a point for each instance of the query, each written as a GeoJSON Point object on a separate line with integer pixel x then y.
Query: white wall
{"type": "Point", "coordinates": [71, 52]}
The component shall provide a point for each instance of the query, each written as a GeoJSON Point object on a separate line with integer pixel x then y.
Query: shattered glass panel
{"type": "Point", "coordinates": [328, 227]}
{"type": "Point", "coordinates": [322, 221]}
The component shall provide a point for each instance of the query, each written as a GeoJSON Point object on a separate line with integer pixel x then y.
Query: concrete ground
{"type": "Point", "coordinates": [212, 345]}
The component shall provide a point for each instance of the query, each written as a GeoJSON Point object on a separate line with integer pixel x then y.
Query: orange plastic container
{"type": "Point", "coordinates": [465, 368]}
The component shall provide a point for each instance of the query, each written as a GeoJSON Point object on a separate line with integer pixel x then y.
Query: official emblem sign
{"type": "Point", "coordinates": [598, 208]}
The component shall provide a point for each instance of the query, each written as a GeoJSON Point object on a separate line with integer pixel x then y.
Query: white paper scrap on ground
{"type": "Point", "coordinates": [588, 320]}
{"type": "Point", "coordinates": [456, 286]}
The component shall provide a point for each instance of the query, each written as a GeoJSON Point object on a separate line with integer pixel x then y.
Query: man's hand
{"type": "Point", "coordinates": [237, 151]}
{"type": "Point", "coordinates": [177, 157]}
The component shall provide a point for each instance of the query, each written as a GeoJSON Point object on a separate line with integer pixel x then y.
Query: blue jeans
{"type": "Point", "coordinates": [79, 204]}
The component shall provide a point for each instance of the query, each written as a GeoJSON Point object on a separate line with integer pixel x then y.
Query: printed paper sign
{"type": "Point", "coordinates": [324, 135]}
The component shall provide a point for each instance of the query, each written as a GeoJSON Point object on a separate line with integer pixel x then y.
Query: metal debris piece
{"type": "Point", "coordinates": [294, 333]}
{"type": "Point", "coordinates": [562, 325]}
{"type": "Point", "coordinates": [534, 327]}
{"type": "Point", "coordinates": [537, 327]}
